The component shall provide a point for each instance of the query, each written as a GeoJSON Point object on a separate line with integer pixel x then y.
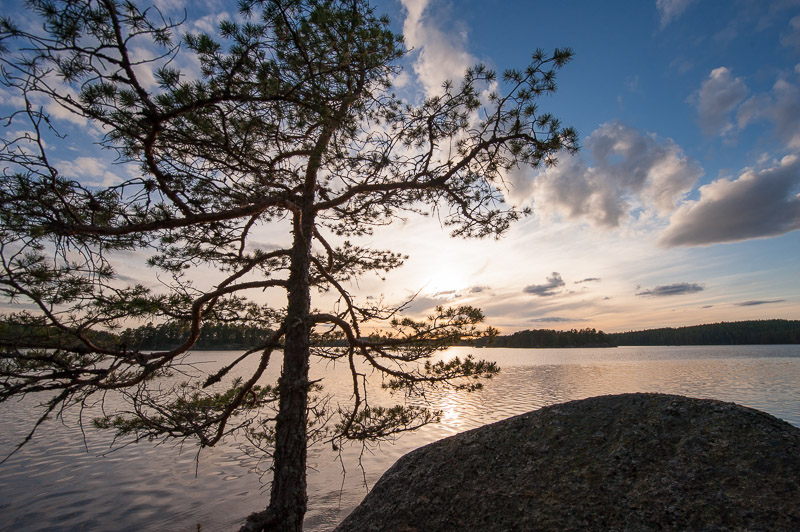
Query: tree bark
{"type": "Point", "coordinates": [288, 499]}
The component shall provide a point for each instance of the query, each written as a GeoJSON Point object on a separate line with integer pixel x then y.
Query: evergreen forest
{"type": "Point", "coordinates": [725, 333]}
{"type": "Point", "coordinates": [236, 336]}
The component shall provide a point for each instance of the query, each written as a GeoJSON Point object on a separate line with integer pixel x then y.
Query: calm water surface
{"type": "Point", "coordinates": [66, 479]}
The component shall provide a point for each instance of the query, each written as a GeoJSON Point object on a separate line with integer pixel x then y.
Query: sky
{"type": "Point", "coordinates": [682, 206]}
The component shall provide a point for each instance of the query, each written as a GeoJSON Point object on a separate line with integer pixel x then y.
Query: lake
{"type": "Point", "coordinates": [66, 479]}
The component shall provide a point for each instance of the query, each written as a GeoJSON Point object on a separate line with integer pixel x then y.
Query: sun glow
{"type": "Point", "coordinates": [446, 282]}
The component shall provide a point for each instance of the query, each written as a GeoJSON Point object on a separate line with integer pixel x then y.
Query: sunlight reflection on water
{"type": "Point", "coordinates": [57, 483]}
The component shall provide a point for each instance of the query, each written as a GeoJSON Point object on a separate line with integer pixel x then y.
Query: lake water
{"type": "Point", "coordinates": [66, 479]}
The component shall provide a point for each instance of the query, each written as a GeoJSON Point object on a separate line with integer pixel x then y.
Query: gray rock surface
{"type": "Point", "coordinates": [624, 462]}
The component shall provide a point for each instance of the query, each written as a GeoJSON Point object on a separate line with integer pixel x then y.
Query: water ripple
{"type": "Point", "coordinates": [61, 482]}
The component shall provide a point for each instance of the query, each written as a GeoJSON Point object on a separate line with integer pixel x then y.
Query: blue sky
{"type": "Point", "coordinates": [683, 205]}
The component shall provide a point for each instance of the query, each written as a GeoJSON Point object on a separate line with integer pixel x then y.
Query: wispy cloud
{"type": "Point", "coordinates": [423, 304]}
{"type": "Point", "coordinates": [445, 294]}
{"type": "Point", "coordinates": [755, 302]}
{"type": "Point", "coordinates": [263, 246]}
{"type": "Point", "coordinates": [757, 204]}
{"type": "Point", "coordinates": [791, 39]}
{"type": "Point", "coordinates": [780, 107]}
{"type": "Point", "coordinates": [550, 288]}
{"type": "Point", "coordinates": [555, 319]}
{"type": "Point", "coordinates": [588, 280]}
{"type": "Point", "coordinates": [672, 290]}
{"type": "Point", "coordinates": [671, 9]}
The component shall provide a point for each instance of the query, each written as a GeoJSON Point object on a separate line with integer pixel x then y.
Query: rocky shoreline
{"type": "Point", "coordinates": [624, 462]}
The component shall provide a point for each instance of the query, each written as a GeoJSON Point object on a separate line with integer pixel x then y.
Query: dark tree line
{"type": "Point", "coordinates": [551, 338]}
{"type": "Point", "coordinates": [213, 336]}
{"type": "Point", "coordinates": [38, 334]}
{"type": "Point", "coordinates": [725, 333]}
{"type": "Point", "coordinates": [238, 336]}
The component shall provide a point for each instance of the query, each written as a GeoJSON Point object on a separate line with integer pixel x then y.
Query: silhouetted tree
{"type": "Point", "coordinates": [290, 118]}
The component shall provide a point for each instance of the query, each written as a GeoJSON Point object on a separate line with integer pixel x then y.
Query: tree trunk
{"type": "Point", "coordinates": [288, 499]}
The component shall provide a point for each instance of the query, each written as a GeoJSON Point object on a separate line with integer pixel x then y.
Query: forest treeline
{"type": "Point", "coordinates": [153, 337]}
{"type": "Point", "coordinates": [150, 337]}
{"type": "Point", "coordinates": [226, 336]}
{"type": "Point", "coordinates": [551, 338]}
{"type": "Point", "coordinates": [725, 333]}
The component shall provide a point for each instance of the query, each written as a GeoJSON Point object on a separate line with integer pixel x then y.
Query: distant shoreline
{"type": "Point", "coordinates": [229, 337]}
{"type": "Point", "coordinates": [753, 332]}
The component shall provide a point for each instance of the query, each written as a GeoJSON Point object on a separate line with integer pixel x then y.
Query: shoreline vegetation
{"type": "Point", "coordinates": [226, 336]}
{"type": "Point", "coordinates": [753, 332]}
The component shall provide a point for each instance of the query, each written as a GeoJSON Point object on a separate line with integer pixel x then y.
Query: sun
{"type": "Point", "coordinates": [450, 281]}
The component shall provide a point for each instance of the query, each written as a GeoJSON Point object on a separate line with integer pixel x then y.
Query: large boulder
{"type": "Point", "coordinates": [624, 462]}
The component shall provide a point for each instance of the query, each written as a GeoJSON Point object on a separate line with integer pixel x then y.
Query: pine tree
{"type": "Point", "coordinates": [291, 117]}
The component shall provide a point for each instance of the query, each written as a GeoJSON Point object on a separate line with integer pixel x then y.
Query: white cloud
{"type": "Point", "coordinates": [24, 141]}
{"type": "Point", "coordinates": [441, 55]}
{"type": "Point", "coordinates": [13, 99]}
{"type": "Point", "coordinates": [89, 171]}
{"type": "Point", "coordinates": [401, 80]}
{"type": "Point", "coordinates": [147, 57]}
{"type": "Point", "coordinates": [757, 204]}
{"type": "Point", "coordinates": [170, 6]}
{"type": "Point", "coordinates": [57, 111]}
{"type": "Point", "coordinates": [143, 68]}
{"type": "Point", "coordinates": [716, 99]}
{"type": "Point", "coordinates": [671, 9]}
{"type": "Point", "coordinates": [631, 170]}
{"type": "Point", "coordinates": [209, 23]}
{"type": "Point", "coordinates": [53, 108]}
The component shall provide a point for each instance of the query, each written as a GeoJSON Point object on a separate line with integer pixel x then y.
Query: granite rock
{"type": "Point", "coordinates": [623, 462]}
